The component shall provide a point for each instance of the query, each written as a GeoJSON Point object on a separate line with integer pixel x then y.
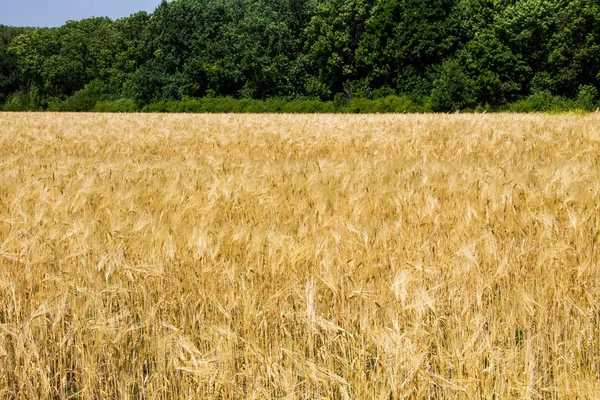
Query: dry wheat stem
{"type": "Point", "coordinates": [277, 256]}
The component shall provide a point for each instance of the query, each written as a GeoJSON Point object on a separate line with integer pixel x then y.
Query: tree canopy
{"type": "Point", "coordinates": [450, 54]}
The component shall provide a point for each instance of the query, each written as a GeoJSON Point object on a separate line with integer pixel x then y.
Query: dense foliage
{"type": "Point", "coordinates": [439, 55]}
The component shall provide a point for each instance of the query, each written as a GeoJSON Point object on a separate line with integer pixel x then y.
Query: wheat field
{"type": "Point", "coordinates": [299, 257]}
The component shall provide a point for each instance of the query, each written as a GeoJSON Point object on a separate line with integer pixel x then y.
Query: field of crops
{"type": "Point", "coordinates": [338, 257]}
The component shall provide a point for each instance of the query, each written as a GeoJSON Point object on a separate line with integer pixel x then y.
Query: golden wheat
{"type": "Point", "coordinates": [340, 257]}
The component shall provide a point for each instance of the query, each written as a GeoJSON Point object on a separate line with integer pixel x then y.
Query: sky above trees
{"type": "Point", "coordinates": [51, 13]}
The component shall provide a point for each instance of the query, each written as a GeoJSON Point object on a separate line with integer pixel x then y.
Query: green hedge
{"type": "Point", "coordinates": [116, 106]}
{"type": "Point", "coordinates": [390, 104]}
{"type": "Point", "coordinates": [544, 101]}
{"type": "Point", "coordinates": [83, 100]}
{"type": "Point", "coordinates": [93, 101]}
{"type": "Point", "coordinates": [231, 105]}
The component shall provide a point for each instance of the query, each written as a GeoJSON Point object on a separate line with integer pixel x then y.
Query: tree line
{"type": "Point", "coordinates": [438, 55]}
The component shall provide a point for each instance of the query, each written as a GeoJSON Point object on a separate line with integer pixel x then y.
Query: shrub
{"type": "Point", "coordinates": [389, 104]}
{"type": "Point", "coordinates": [23, 101]}
{"type": "Point", "coordinates": [308, 106]}
{"type": "Point", "coordinates": [116, 106]}
{"type": "Point", "coordinates": [341, 101]}
{"type": "Point", "coordinates": [543, 101]}
{"type": "Point", "coordinates": [83, 100]}
{"type": "Point", "coordinates": [587, 97]}
{"type": "Point", "coordinates": [395, 104]}
{"type": "Point", "coordinates": [453, 90]}
{"type": "Point", "coordinates": [360, 106]}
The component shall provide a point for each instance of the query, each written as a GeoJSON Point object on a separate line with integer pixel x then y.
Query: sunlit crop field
{"type": "Point", "coordinates": [299, 257]}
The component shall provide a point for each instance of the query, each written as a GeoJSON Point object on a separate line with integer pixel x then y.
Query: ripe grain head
{"type": "Point", "coordinates": [271, 256]}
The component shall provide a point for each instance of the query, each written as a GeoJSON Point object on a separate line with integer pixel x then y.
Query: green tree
{"type": "Point", "coordinates": [458, 52]}
{"type": "Point", "coordinates": [498, 75]}
{"type": "Point", "coordinates": [526, 27]}
{"type": "Point", "coordinates": [129, 54]}
{"type": "Point", "coordinates": [574, 49]}
{"type": "Point", "coordinates": [452, 90]}
{"type": "Point", "coordinates": [179, 40]}
{"type": "Point", "coordinates": [243, 48]}
{"type": "Point", "coordinates": [10, 80]}
{"type": "Point", "coordinates": [405, 40]}
{"type": "Point", "coordinates": [60, 61]}
{"type": "Point", "coordinates": [332, 38]}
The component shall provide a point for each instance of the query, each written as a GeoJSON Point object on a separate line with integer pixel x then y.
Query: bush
{"type": "Point", "coordinates": [389, 104]}
{"type": "Point", "coordinates": [83, 100]}
{"type": "Point", "coordinates": [158, 107]}
{"type": "Point", "coordinates": [23, 101]}
{"type": "Point", "coordinates": [341, 101]}
{"type": "Point", "coordinates": [359, 106]}
{"type": "Point", "coordinates": [187, 105]}
{"type": "Point", "coordinates": [395, 104]}
{"type": "Point", "coordinates": [116, 106]}
{"type": "Point", "coordinates": [16, 102]}
{"type": "Point", "coordinates": [543, 101]}
{"type": "Point", "coordinates": [453, 90]}
{"type": "Point", "coordinates": [308, 106]}
{"type": "Point", "coordinates": [587, 97]}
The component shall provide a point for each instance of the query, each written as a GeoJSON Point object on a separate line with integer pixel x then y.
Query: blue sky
{"type": "Point", "coordinates": [56, 12]}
